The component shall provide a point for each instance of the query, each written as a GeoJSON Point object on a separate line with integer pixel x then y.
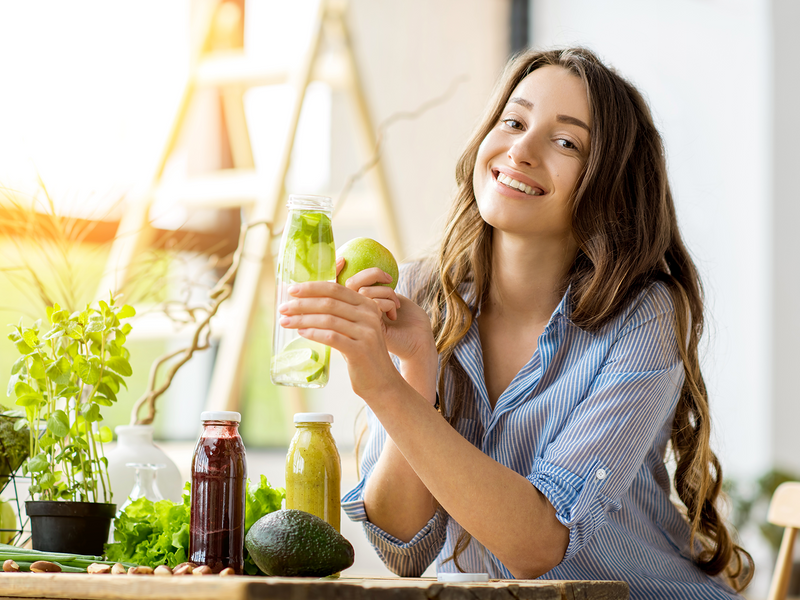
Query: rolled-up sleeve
{"type": "Point", "coordinates": [594, 459]}
{"type": "Point", "coordinates": [407, 559]}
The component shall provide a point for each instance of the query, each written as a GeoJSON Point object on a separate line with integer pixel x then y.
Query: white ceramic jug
{"type": "Point", "coordinates": [135, 445]}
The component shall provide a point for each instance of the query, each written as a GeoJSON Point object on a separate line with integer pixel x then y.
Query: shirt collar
{"type": "Point", "coordinates": [562, 312]}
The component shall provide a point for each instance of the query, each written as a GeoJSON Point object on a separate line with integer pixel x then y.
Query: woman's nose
{"type": "Point", "coordinates": [525, 150]}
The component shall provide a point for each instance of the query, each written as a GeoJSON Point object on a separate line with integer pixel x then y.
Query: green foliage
{"type": "Point", "coordinates": [157, 533]}
{"type": "Point", "coordinates": [152, 533]}
{"type": "Point", "coordinates": [14, 449]}
{"type": "Point", "coordinates": [749, 503]}
{"type": "Point", "coordinates": [61, 381]}
{"type": "Point", "coordinates": [260, 501]}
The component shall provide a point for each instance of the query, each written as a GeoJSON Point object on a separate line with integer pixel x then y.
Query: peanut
{"type": "Point", "coordinates": [183, 569]}
{"type": "Point", "coordinates": [45, 566]}
{"type": "Point", "coordinates": [140, 571]}
{"type": "Point", "coordinates": [97, 568]}
{"type": "Point", "coordinates": [10, 566]}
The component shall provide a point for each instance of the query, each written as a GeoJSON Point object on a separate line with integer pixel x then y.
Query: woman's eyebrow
{"type": "Point", "coordinates": [521, 101]}
{"type": "Point", "coordinates": [561, 118]}
{"type": "Point", "coordinates": [573, 121]}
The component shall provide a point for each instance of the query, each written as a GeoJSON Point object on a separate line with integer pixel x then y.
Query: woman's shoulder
{"type": "Point", "coordinates": [654, 301]}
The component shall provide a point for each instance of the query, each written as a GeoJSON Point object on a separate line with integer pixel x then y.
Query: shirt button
{"type": "Point", "coordinates": [601, 474]}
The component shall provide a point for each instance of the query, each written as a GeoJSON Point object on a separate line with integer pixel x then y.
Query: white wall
{"type": "Point", "coordinates": [785, 271]}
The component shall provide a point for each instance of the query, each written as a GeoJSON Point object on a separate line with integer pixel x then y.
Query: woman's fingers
{"type": "Point", "coordinates": [339, 265]}
{"type": "Point", "coordinates": [326, 298]}
{"type": "Point", "coordinates": [327, 306]}
{"type": "Point", "coordinates": [323, 322]}
{"type": "Point", "coordinates": [385, 297]}
{"type": "Point", "coordinates": [351, 337]}
{"type": "Point", "coordinates": [368, 277]}
{"type": "Point", "coordinates": [324, 289]}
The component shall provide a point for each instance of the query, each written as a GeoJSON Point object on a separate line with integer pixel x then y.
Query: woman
{"type": "Point", "coordinates": [539, 375]}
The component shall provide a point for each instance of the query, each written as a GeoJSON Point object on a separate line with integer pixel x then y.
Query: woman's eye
{"type": "Point", "coordinates": [513, 123]}
{"type": "Point", "coordinates": [567, 144]}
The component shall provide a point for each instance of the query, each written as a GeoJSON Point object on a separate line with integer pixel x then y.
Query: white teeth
{"type": "Point", "coordinates": [517, 185]}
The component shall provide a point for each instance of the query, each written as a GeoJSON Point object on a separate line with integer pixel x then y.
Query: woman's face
{"type": "Point", "coordinates": [528, 165]}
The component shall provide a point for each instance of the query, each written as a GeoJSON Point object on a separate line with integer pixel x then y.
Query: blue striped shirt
{"type": "Point", "coordinates": [587, 421]}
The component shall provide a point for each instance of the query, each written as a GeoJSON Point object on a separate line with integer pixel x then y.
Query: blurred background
{"type": "Point", "coordinates": [92, 91]}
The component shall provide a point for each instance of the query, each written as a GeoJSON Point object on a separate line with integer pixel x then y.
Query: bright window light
{"type": "Point", "coordinates": [91, 87]}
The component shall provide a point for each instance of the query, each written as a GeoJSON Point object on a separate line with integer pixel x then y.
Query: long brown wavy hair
{"type": "Point", "coordinates": [623, 219]}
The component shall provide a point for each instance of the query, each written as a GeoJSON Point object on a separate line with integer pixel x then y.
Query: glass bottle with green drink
{"type": "Point", "coordinates": [314, 468]}
{"type": "Point", "coordinates": [307, 253]}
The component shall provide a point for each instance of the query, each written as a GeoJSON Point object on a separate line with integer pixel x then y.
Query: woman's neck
{"type": "Point", "coordinates": [527, 278]}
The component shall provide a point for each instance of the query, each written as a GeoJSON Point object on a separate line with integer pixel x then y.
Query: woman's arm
{"type": "Point", "coordinates": [395, 499]}
{"type": "Point", "coordinates": [499, 507]}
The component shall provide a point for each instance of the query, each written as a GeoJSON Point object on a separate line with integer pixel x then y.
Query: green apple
{"type": "Point", "coordinates": [363, 253]}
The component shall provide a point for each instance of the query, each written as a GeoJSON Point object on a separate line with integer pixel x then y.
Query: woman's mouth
{"type": "Point", "coordinates": [518, 185]}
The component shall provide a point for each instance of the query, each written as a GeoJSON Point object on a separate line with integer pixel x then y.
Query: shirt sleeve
{"type": "Point", "coordinates": [407, 559]}
{"type": "Point", "coordinates": [593, 461]}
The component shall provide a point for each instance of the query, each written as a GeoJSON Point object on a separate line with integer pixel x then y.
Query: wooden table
{"type": "Point", "coordinates": [65, 586]}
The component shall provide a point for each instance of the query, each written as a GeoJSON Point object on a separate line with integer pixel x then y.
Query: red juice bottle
{"type": "Point", "coordinates": [219, 472]}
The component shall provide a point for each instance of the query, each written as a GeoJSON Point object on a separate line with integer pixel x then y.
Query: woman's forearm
{"type": "Point", "coordinates": [498, 506]}
{"type": "Point", "coordinates": [394, 497]}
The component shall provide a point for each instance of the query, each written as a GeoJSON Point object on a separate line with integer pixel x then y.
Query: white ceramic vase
{"type": "Point", "coordinates": [135, 445]}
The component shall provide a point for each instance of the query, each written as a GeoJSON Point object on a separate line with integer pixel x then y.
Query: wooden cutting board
{"type": "Point", "coordinates": [67, 586]}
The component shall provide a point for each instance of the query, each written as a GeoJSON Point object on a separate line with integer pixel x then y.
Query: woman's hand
{"type": "Point", "coordinates": [351, 323]}
{"type": "Point", "coordinates": [406, 326]}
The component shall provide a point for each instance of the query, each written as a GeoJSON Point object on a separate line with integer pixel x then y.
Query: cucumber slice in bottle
{"type": "Point", "coordinates": [297, 360]}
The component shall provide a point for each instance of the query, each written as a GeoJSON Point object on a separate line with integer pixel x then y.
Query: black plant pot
{"type": "Point", "coordinates": [71, 527]}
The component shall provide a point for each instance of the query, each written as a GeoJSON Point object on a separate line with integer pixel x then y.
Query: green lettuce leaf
{"type": "Point", "coordinates": [260, 501]}
{"type": "Point", "coordinates": [152, 533]}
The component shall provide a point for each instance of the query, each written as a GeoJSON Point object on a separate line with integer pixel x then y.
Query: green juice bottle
{"type": "Point", "coordinates": [307, 253]}
{"type": "Point", "coordinates": [314, 469]}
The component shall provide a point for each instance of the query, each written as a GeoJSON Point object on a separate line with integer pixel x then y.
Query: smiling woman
{"type": "Point", "coordinates": [539, 148]}
{"type": "Point", "coordinates": [540, 370]}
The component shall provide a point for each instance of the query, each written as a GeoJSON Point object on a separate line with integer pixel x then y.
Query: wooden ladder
{"type": "Point", "coordinates": [329, 58]}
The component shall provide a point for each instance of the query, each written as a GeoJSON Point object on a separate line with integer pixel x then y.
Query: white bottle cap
{"type": "Point", "coordinates": [220, 415]}
{"type": "Point", "coordinates": [313, 418]}
{"type": "Point", "coordinates": [462, 577]}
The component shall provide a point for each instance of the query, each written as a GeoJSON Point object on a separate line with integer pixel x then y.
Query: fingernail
{"type": "Point", "coordinates": [284, 320]}
{"type": "Point", "coordinates": [293, 289]}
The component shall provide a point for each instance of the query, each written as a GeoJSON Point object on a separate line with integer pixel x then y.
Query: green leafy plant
{"type": "Point", "coordinates": [61, 381]}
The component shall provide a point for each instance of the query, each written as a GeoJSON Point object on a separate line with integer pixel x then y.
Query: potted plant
{"type": "Point", "coordinates": [64, 376]}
